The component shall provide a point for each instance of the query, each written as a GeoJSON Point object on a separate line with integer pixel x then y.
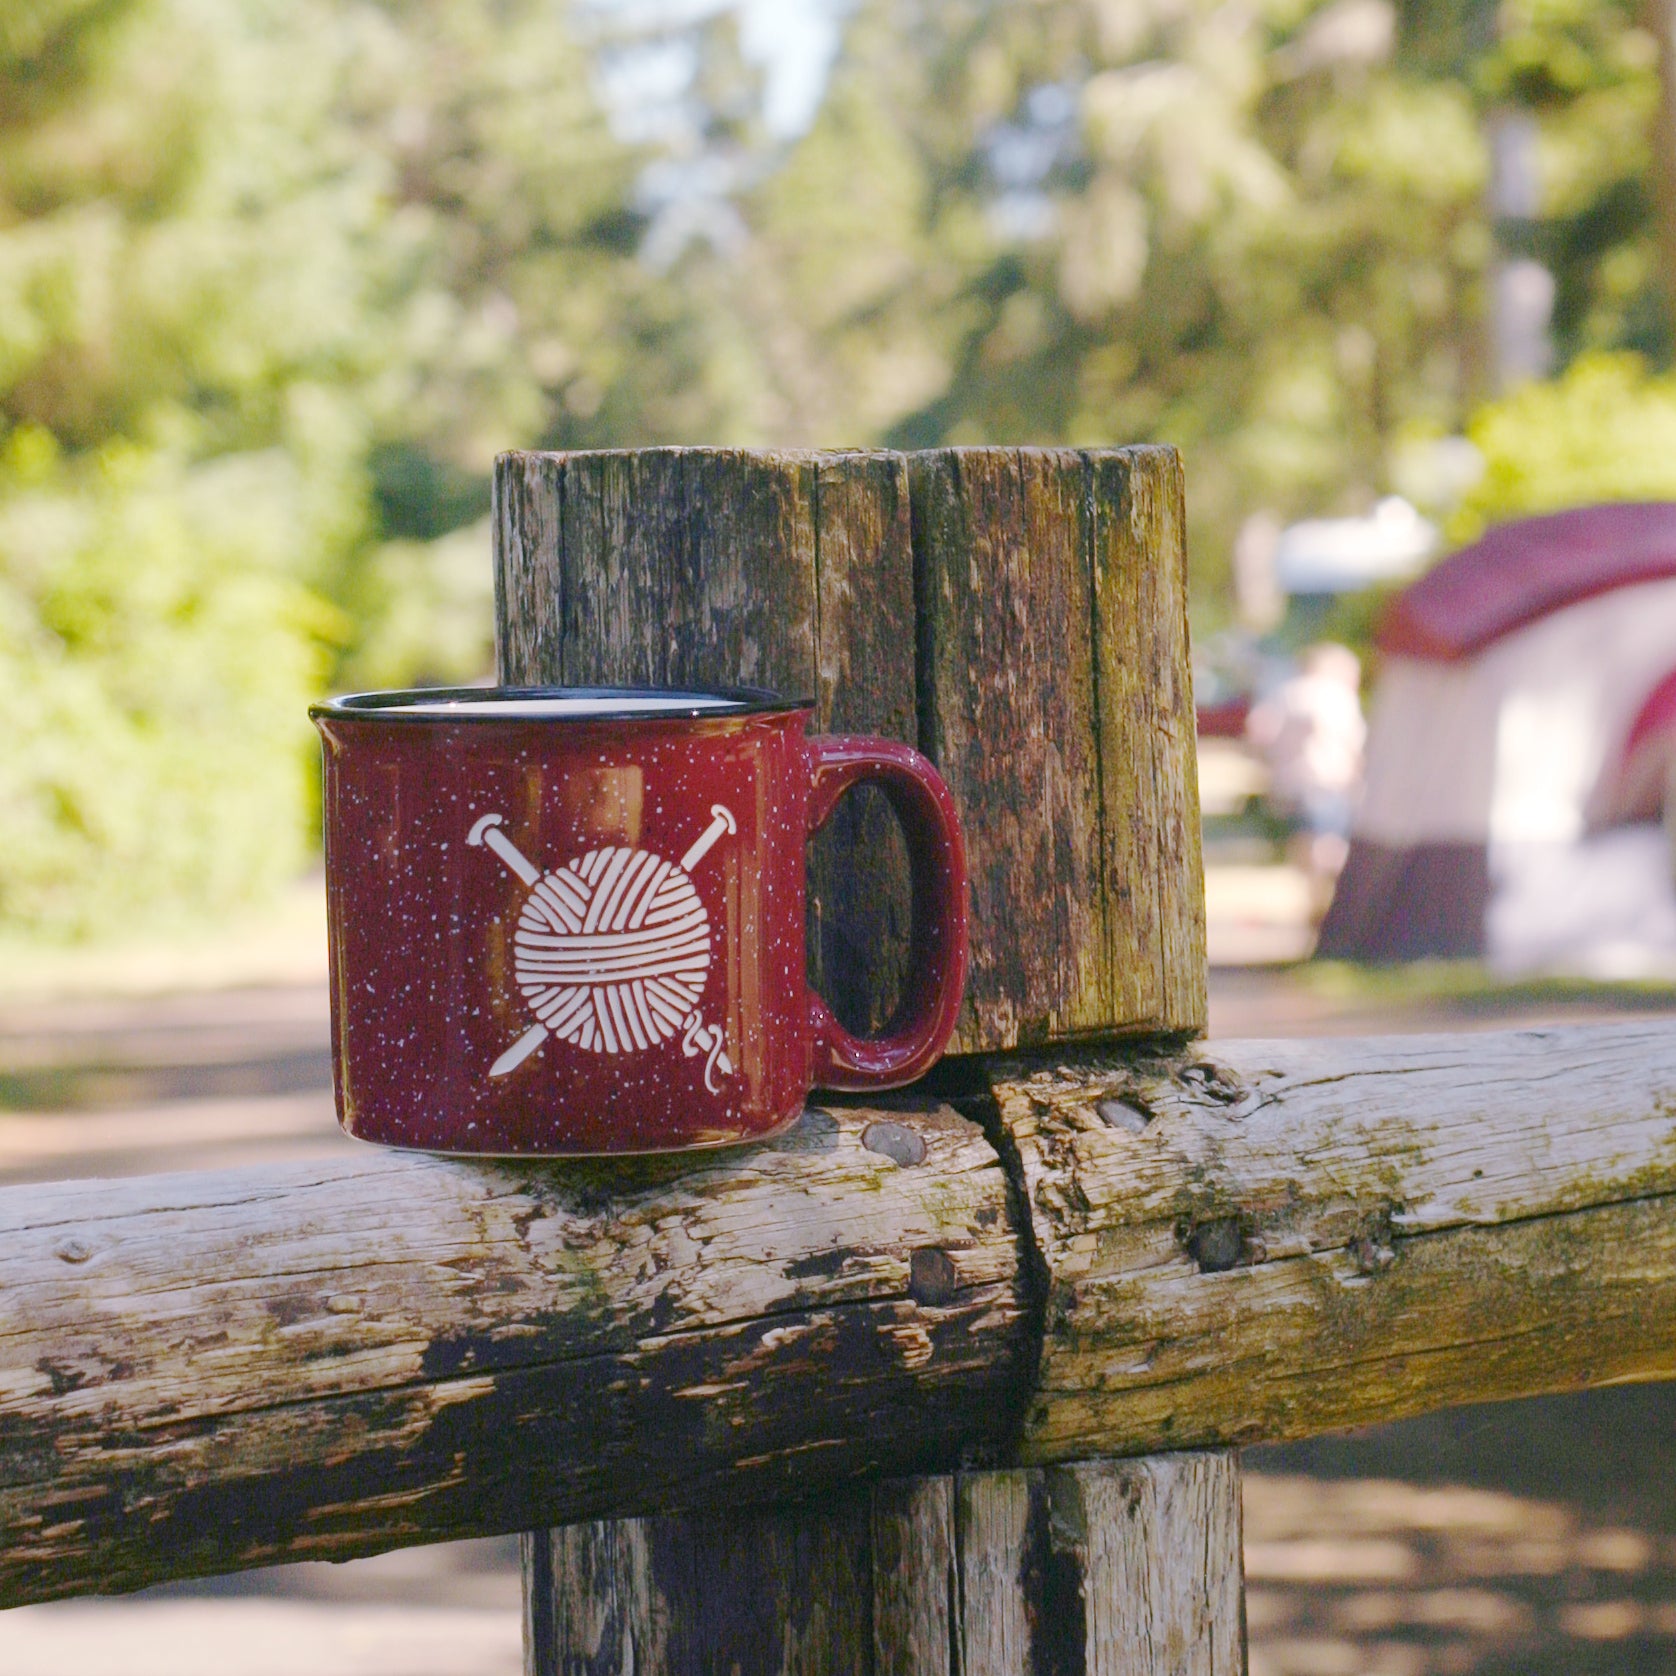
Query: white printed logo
{"type": "Point", "coordinates": [611, 951]}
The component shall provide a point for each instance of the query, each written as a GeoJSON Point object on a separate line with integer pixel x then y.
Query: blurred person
{"type": "Point", "coordinates": [1310, 732]}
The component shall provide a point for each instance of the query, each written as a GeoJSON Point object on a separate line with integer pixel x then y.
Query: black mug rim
{"type": "Point", "coordinates": [394, 707]}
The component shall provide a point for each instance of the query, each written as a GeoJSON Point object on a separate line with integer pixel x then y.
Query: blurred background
{"type": "Point", "coordinates": [278, 278]}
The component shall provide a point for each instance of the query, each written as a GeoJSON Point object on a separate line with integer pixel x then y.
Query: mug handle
{"type": "Point", "coordinates": [925, 1016]}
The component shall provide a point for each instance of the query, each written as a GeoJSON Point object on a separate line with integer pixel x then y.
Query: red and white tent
{"type": "Point", "coordinates": [1518, 753]}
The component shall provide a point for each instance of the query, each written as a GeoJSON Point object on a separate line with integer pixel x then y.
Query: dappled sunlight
{"type": "Point", "coordinates": [1368, 1576]}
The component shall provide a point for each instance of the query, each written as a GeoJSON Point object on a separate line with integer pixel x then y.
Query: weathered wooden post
{"type": "Point", "coordinates": [841, 1403]}
{"type": "Point", "coordinates": [1020, 614]}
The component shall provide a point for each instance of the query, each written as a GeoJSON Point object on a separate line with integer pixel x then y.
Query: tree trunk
{"type": "Point", "coordinates": [1660, 20]}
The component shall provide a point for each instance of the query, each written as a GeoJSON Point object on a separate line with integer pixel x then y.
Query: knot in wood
{"type": "Point", "coordinates": [1126, 1111]}
{"type": "Point", "coordinates": [1373, 1246]}
{"type": "Point", "coordinates": [1370, 1255]}
{"type": "Point", "coordinates": [1221, 1087]}
{"type": "Point", "coordinates": [894, 1141]}
{"type": "Point", "coordinates": [932, 1278]}
{"type": "Point", "coordinates": [1217, 1245]}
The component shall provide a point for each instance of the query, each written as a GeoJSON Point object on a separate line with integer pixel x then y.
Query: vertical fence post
{"type": "Point", "coordinates": [1021, 615]}
{"type": "Point", "coordinates": [1110, 1568]}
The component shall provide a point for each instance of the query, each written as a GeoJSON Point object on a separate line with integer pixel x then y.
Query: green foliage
{"type": "Point", "coordinates": [155, 654]}
{"type": "Point", "coordinates": [427, 612]}
{"type": "Point", "coordinates": [1605, 431]}
{"type": "Point", "coordinates": [179, 460]}
{"type": "Point", "coordinates": [1256, 232]}
{"type": "Point", "coordinates": [279, 277]}
{"type": "Point", "coordinates": [1588, 69]}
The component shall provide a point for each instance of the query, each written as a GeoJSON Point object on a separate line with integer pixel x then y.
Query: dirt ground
{"type": "Point", "coordinates": [1531, 1537]}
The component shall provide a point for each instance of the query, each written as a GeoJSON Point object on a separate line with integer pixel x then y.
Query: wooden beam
{"type": "Point", "coordinates": [864, 683]}
{"type": "Point", "coordinates": [1148, 739]}
{"type": "Point", "coordinates": [200, 1373]}
{"type": "Point", "coordinates": [1092, 1569]}
{"type": "Point", "coordinates": [746, 1592]}
{"type": "Point", "coordinates": [1255, 1241]}
{"type": "Point", "coordinates": [657, 567]}
{"type": "Point", "coordinates": [1002, 606]}
{"type": "Point", "coordinates": [1237, 1243]}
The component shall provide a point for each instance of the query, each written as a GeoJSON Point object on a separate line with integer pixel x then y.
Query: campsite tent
{"type": "Point", "coordinates": [1518, 755]}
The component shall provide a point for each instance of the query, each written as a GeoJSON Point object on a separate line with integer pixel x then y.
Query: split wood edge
{"type": "Point", "coordinates": [1260, 1241]}
{"type": "Point", "coordinates": [1227, 1244]}
{"type": "Point", "coordinates": [1105, 1568]}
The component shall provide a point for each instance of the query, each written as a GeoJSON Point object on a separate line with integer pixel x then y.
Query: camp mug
{"type": "Point", "coordinates": [568, 920]}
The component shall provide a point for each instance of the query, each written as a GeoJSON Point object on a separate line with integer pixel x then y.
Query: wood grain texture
{"type": "Point", "coordinates": [1022, 612]}
{"type": "Point", "coordinates": [742, 1592]}
{"type": "Point", "coordinates": [200, 1373]}
{"type": "Point", "coordinates": [1103, 1568]}
{"type": "Point", "coordinates": [915, 1559]}
{"type": "Point", "coordinates": [1237, 1243]}
{"type": "Point", "coordinates": [1147, 739]}
{"type": "Point", "coordinates": [657, 567]}
{"type": "Point", "coordinates": [719, 567]}
{"type": "Point", "coordinates": [1055, 696]}
{"type": "Point", "coordinates": [1090, 1569]}
{"type": "Point", "coordinates": [1007, 714]}
{"type": "Point", "coordinates": [859, 892]}
{"type": "Point", "coordinates": [1160, 1542]}
{"type": "Point", "coordinates": [1266, 1240]}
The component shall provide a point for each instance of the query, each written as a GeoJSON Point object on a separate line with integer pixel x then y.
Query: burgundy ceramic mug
{"type": "Point", "coordinates": [571, 920]}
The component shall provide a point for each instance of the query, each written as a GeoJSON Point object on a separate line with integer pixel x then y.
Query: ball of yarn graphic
{"type": "Point", "coordinates": [612, 949]}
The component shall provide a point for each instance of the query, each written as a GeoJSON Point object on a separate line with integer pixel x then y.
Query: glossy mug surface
{"type": "Point", "coordinates": [572, 920]}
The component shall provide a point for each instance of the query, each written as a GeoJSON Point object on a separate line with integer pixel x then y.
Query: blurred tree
{"type": "Point", "coordinates": [177, 329]}
{"type": "Point", "coordinates": [1586, 73]}
{"type": "Point", "coordinates": [1604, 431]}
{"type": "Point", "coordinates": [1260, 232]}
{"type": "Point", "coordinates": [276, 278]}
{"type": "Point", "coordinates": [1254, 231]}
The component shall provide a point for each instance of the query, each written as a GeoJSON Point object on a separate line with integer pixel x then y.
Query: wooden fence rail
{"type": "Point", "coordinates": [1110, 1255]}
{"type": "Point", "coordinates": [941, 1384]}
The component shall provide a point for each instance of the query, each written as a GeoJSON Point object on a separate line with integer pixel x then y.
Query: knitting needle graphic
{"type": "Point", "coordinates": [486, 832]}
{"type": "Point", "coordinates": [700, 1038]}
{"type": "Point", "coordinates": [722, 822]}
